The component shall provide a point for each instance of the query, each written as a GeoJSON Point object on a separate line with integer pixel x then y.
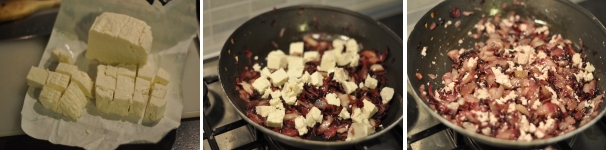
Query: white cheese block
{"type": "Point", "coordinates": [138, 104]}
{"type": "Point", "coordinates": [162, 77]}
{"type": "Point", "coordinates": [261, 85]}
{"type": "Point", "coordinates": [275, 118]}
{"type": "Point", "coordinates": [127, 70]}
{"type": "Point", "coordinates": [49, 98]}
{"type": "Point", "coordinates": [369, 108]}
{"type": "Point", "coordinates": [116, 38]}
{"type": "Point", "coordinates": [124, 83]}
{"type": "Point", "coordinates": [66, 69]}
{"type": "Point", "coordinates": [279, 77]}
{"type": "Point", "coordinates": [72, 102]}
{"type": "Point", "coordinates": [328, 61]}
{"type": "Point", "coordinates": [349, 87]}
{"type": "Point", "coordinates": [146, 72]}
{"type": "Point", "coordinates": [317, 79]}
{"type": "Point", "coordinates": [358, 131]}
{"type": "Point", "coordinates": [386, 94]}
{"type": "Point", "coordinates": [370, 82]}
{"type": "Point", "coordinates": [352, 46]}
{"type": "Point", "coordinates": [311, 56]}
{"type": "Point", "coordinates": [105, 82]}
{"type": "Point", "coordinates": [62, 55]}
{"type": "Point", "coordinates": [142, 86]}
{"type": "Point", "coordinates": [296, 48]}
{"type": "Point", "coordinates": [158, 90]}
{"type": "Point", "coordinates": [111, 71]}
{"type": "Point", "coordinates": [313, 116]}
{"type": "Point", "coordinates": [57, 81]}
{"type": "Point", "coordinates": [332, 99]}
{"type": "Point", "coordinates": [276, 60]}
{"type": "Point", "coordinates": [103, 99]}
{"type": "Point", "coordinates": [300, 125]}
{"type": "Point", "coordinates": [84, 82]}
{"type": "Point", "coordinates": [264, 110]}
{"type": "Point", "coordinates": [344, 114]}
{"type": "Point", "coordinates": [155, 108]}
{"type": "Point", "coordinates": [121, 103]}
{"type": "Point", "coordinates": [37, 77]}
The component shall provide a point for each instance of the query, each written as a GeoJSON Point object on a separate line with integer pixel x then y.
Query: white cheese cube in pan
{"type": "Point", "coordinates": [72, 102]}
{"type": "Point", "coordinates": [279, 77]}
{"type": "Point", "coordinates": [103, 99]}
{"type": "Point", "coordinates": [313, 116]}
{"type": "Point", "coordinates": [66, 69]}
{"type": "Point", "coordinates": [257, 68]}
{"type": "Point", "coordinates": [338, 45]}
{"type": "Point", "coordinates": [275, 95]}
{"type": "Point", "coordinates": [317, 79]}
{"type": "Point", "coordinates": [352, 46]}
{"type": "Point", "coordinates": [295, 72]}
{"type": "Point", "coordinates": [117, 38]}
{"type": "Point", "coordinates": [290, 91]}
{"type": "Point", "coordinates": [276, 60]}
{"type": "Point", "coordinates": [266, 93]}
{"type": "Point", "coordinates": [146, 72]}
{"type": "Point", "coordinates": [121, 103]}
{"type": "Point", "coordinates": [311, 56]}
{"type": "Point", "coordinates": [264, 110]}
{"type": "Point", "coordinates": [105, 82]}
{"type": "Point", "coordinates": [162, 77]}
{"type": "Point", "coordinates": [370, 82]}
{"type": "Point", "coordinates": [344, 114]}
{"type": "Point", "coordinates": [158, 90]}
{"type": "Point", "coordinates": [57, 81]}
{"type": "Point", "coordinates": [84, 82]}
{"type": "Point", "coordinates": [349, 87]}
{"type": "Point", "coordinates": [332, 99]}
{"type": "Point", "coordinates": [275, 118]}
{"type": "Point", "coordinates": [358, 130]}
{"type": "Point", "coordinates": [347, 58]}
{"type": "Point", "coordinates": [300, 125]}
{"type": "Point", "coordinates": [305, 78]}
{"type": "Point", "coordinates": [261, 84]}
{"type": "Point", "coordinates": [37, 77]}
{"type": "Point", "coordinates": [369, 108]}
{"type": "Point", "coordinates": [386, 94]}
{"type": "Point", "coordinates": [62, 55]}
{"type": "Point", "coordinates": [127, 70]}
{"type": "Point", "coordinates": [328, 62]}
{"type": "Point", "coordinates": [358, 117]}
{"type": "Point", "coordinates": [295, 62]}
{"type": "Point", "coordinates": [355, 60]}
{"type": "Point", "coordinates": [124, 83]}
{"type": "Point", "coordinates": [340, 75]}
{"type": "Point", "coordinates": [142, 86]}
{"type": "Point", "coordinates": [265, 73]}
{"type": "Point", "coordinates": [138, 104]}
{"type": "Point", "coordinates": [296, 48]}
{"type": "Point", "coordinates": [155, 108]}
{"type": "Point", "coordinates": [49, 98]}
{"type": "Point", "coordinates": [111, 71]}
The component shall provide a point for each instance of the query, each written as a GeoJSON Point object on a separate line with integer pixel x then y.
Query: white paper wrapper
{"type": "Point", "coordinates": [173, 27]}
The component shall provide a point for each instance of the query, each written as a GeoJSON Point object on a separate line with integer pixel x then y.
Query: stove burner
{"type": "Point", "coordinates": [479, 146]}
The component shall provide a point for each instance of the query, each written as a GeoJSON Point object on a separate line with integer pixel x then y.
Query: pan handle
{"type": "Point", "coordinates": [211, 79]}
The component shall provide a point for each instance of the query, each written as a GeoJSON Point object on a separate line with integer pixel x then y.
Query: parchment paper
{"type": "Point", "coordinates": [173, 26]}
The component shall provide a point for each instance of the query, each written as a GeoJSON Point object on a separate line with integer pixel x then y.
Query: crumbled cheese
{"type": "Point", "coordinates": [524, 100]}
{"type": "Point", "coordinates": [536, 104]}
{"type": "Point", "coordinates": [493, 119]}
{"type": "Point", "coordinates": [470, 126]}
{"type": "Point", "coordinates": [576, 59]}
{"type": "Point", "coordinates": [524, 136]}
{"type": "Point", "coordinates": [449, 87]}
{"type": "Point", "coordinates": [257, 68]}
{"type": "Point", "coordinates": [344, 114]}
{"type": "Point", "coordinates": [511, 108]}
{"type": "Point", "coordinates": [482, 117]}
{"type": "Point", "coordinates": [589, 67]}
{"type": "Point", "coordinates": [510, 96]}
{"type": "Point", "coordinates": [501, 78]}
{"type": "Point", "coordinates": [486, 131]}
{"type": "Point", "coordinates": [423, 52]}
{"type": "Point", "coordinates": [524, 124]}
{"type": "Point", "coordinates": [481, 93]}
{"type": "Point", "coordinates": [542, 55]}
{"type": "Point", "coordinates": [472, 62]}
{"type": "Point", "coordinates": [331, 98]}
{"type": "Point", "coordinates": [554, 96]}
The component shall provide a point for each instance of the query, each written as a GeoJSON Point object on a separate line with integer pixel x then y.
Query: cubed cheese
{"type": "Point", "coordinates": [305, 78]}
{"type": "Point", "coordinates": [589, 67]}
{"type": "Point", "coordinates": [84, 82]}
{"type": "Point", "coordinates": [127, 70]}
{"type": "Point", "coordinates": [162, 77]}
{"type": "Point", "coordinates": [62, 55]}
{"type": "Point", "coordinates": [338, 44]}
{"type": "Point", "coordinates": [103, 99]}
{"type": "Point", "coordinates": [264, 110]}
{"type": "Point", "coordinates": [352, 46]}
{"type": "Point", "coordinates": [295, 62]}
{"type": "Point", "coordinates": [36, 77]}
{"type": "Point", "coordinates": [155, 108]}
{"type": "Point", "coordinates": [124, 83]}
{"type": "Point", "coordinates": [257, 68]}
{"type": "Point", "coordinates": [261, 84]}
{"type": "Point", "coordinates": [358, 131]}
{"type": "Point", "coordinates": [146, 72]}
{"type": "Point", "coordinates": [276, 94]}
{"type": "Point", "coordinates": [358, 117]}
{"type": "Point", "coordinates": [49, 98]}
{"type": "Point", "coordinates": [57, 81]}
{"type": "Point", "coordinates": [101, 70]}
{"type": "Point", "coordinates": [266, 93]}
{"type": "Point", "coordinates": [117, 38]}
{"type": "Point", "coordinates": [138, 104]}
{"type": "Point", "coordinates": [340, 75]}
{"type": "Point", "coordinates": [386, 94]}
{"type": "Point", "coordinates": [344, 114]}
{"type": "Point", "coordinates": [276, 60]}
{"type": "Point", "coordinates": [66, 69]}
{"type": "Point", "coordinates": [290, 91]}
{"type": "Point", "coordinates": [369, 108]}
{"type": "Point", "coordinates": [311, 56]}
{"type": "Point", "coordinates": [576, 59]}
{"type": "Point", "coordinates": [328, 62]}
{"type": "Point", "coordinates": [313, 116]}
{"type": "Point", "coordinates": [317, 79]}
{"type": "Point", "coordinates": [300, 125]}
{"type": "Point", "coordinates": [111, 71]}
{"type": "Point", "coordinates": [295, 72]}
{"type": "Point", "coordinates": [370, 82]}
{"type": "Point", "coordinates": [349, 87]}
{"type": "Point", "coordinates": [265, 73]}
{"type": "Point", "coordinates": [72, 102]}
{"type": "Point", "coordinates": [347, 58]}
{"type": "Point", "coordinates": [296, 48]}
{"type": "Point", "coordinates": [105, 82]}
{"type": "Point", "coordinates": [121, 103]}
{"type": "Point", "coordinates": [158, 90]}
{"type": "Point", "coordinates": [275, 118]}
{"type": "Point", "coordinates": [142, 86]}
{"type": "Point", "coordinates": [279, 77]}
{"type": "Point", "coordinates": [355, 60]}
{"type": "Point", "coordinates": [332, 99]}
